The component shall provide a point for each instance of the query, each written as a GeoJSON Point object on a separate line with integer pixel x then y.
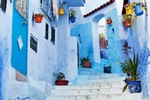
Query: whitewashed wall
{"type": "Point", "coordinates": [5, 39]}
{"type": "Point", "coordinates": [41, 65]}
{"type": "Point", "coordinates": [148, 44]}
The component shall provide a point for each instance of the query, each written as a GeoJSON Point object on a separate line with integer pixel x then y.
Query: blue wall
{"type": "Point", "coordinates": [1, 66]}
{"type": "Point", "coordinates": [114, 44]}
{"type": "Point", "coordinates": [83, 33]}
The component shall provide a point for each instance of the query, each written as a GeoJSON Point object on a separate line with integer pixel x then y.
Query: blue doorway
{"type": "Point", "coordinates": [20, 36]}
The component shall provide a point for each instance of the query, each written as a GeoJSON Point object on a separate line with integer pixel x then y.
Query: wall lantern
{"type": "Point", "coordinates": [37, 17]}
{"type": "Point", "coordinates": [109, 21]}
{"type": "Point", "coordinates": [62, 10]}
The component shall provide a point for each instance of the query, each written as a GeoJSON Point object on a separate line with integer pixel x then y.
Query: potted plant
{"type": "Point", "coordinates": [85, 62]}
{"type": "Point", "coordinates": [60, 79]}
{"type": "Point", "coordinates": [109, 21]}
{"type": "Point", "coordinates": [129, 17]}
{"type": "Point", "coordinates": [129, 20]}
{"type": "Point", "coordinates": [132, 82]}
{"type": "Point", "coordinates": [72, 14]}
{"type": "Point", "coordinates": [107, 69]}
{"type": "Point", "coordinates": [139, 7]}
{"type": "Point", "coordinates": [38, 18]}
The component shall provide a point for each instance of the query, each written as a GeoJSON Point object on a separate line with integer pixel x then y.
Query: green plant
{"type": "Point", "coordinates": [84, 60]}
{"type": "Point", "coordinates": [60, 76]}
{"type": "Point", "coordinates": [72, 12]}
{"type": "Point", "coordinates": [130, 67]}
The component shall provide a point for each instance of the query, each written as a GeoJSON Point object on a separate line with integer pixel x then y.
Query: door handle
{"type": "Point", "coordinates": [24, 23]}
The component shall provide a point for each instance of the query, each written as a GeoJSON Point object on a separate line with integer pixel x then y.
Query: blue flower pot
{"type": "Point", "coordinates": [138, 10]}
{"type": "Point", "coordinates": [107, 69]}
{"type": "Point", "coordinates": [72, 19]}
{"type": "Point", "coordinates": [134, 86]}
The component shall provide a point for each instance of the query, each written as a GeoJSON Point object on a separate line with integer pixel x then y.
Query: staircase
{"type": "Point", "coordinates": [94, 87]}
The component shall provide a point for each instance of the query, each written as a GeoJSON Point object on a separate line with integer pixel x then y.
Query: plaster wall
{"type": "Point", "coordinates": [41, 65]}
{"type": "Point", "coordinates": [83, 34]}
{"type": "Point", "coordinates": [5, 47]}
{"type": "Point", "coordinates": [148, 51]}
{"type": "Point", "coordinates": [66, 48]}
{"type": "Point", "coordinates": [62, 43]}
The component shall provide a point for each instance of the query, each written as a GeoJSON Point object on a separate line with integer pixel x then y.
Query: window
{"type": "Point", "coordinates": [53, 35]}
{"type": "Point", "coordinates": [33, 43]}
{"type": "Point", "coordinates": [3, 4]}
{"type": "Point", "coordinates": [46, 31]}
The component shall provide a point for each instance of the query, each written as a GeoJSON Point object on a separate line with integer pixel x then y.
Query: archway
{"type": "Point", "coordinates": [105, 56]}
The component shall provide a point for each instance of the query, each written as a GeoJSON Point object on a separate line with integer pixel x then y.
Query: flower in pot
{"type": "Point", "coordinates": [139, 8]}
{"type": "Point", "coordinates": [127, 23]}
{"type": "Point", "coordinates": [72, 14]}
{"type": "Point", "coordinates": [38, 18]}
{"type": "Point", "coordinates": [130, 67]}
{"type": "Point", "coordinates": [129, 20]}
{"type": "Point", "coordinates": [85, 62]}
{"type": "Point", "coordinates": [109, 21]}
{"type": "Point", "coordinates": [60, 79]}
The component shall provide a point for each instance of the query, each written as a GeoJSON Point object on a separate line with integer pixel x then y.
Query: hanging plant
{"type": "Point", "coordinates": [129, 20]}
{"type": "Point", "coordinates": [127, 23]}
{"type": "Point", "coordinates": [38, 18]}
{"type": "Point", "coordinates": [109, 21]}
{"type": "Point", "coordinates": [138, 10]}
{"type": "Point", "coordinates": [72, 14]}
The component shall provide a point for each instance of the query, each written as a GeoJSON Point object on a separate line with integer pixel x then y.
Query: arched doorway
{"type": "Point", "coordinates": [107, 55]}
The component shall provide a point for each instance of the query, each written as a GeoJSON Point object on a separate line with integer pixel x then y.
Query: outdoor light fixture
{"type": "Point", "coordinates": [62, 10]}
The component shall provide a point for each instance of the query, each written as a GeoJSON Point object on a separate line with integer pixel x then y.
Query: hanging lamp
{"type": "Point", "coordinates": [62, 10]}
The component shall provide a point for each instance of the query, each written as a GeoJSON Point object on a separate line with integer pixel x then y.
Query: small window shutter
{"type": "Point", "coordinates": [46, 31]}
{"type": "Point", "coordinates": [53, 35]}
{"type": "Point", "coordinates": [3, 5]}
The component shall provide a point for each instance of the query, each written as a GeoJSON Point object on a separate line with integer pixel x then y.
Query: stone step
{"type": "Point", "coordinates": [122, 96]}
{"type": "Point", "coordinates": [97, 76]}
{"type": "Point", "coordinates": [88, 81]}
{"type": "Point", "coordinates": [109, 88]}
{"type": "Point", "coordinates": [86, 92]}
{"type": "Point", "coordinates": [95, 86]}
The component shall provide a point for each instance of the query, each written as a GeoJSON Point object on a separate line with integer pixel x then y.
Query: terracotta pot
{"type": "Point", "coordinates": [127, 23]}
{"type": "Point", "coordinates": [38, 18]}
{"type": "Point", "coordinates": [109, 21]}
{"type": "Point", "coordinates": [61, 82]}
{"type": "Point", "coordinates": [87, 64]}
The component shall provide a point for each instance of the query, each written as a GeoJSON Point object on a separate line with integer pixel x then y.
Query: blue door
{"type": "Point", "coordinates": [20, 35]}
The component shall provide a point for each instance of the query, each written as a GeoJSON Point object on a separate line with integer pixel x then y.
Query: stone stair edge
{"type": "Point", "coordinates": [137, 95]}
